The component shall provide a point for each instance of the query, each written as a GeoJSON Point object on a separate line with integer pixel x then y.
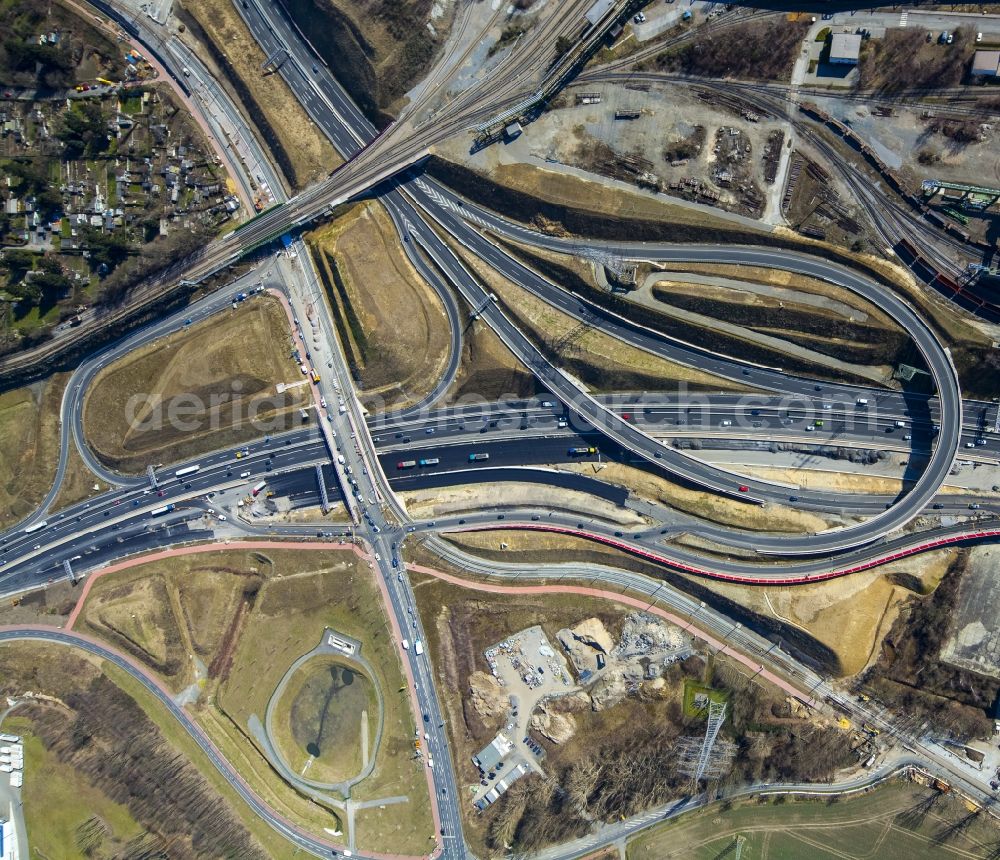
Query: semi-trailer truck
{"type": "Point", "coordinates": [430, 461]}
{"type": "Point", "coordinates": [581, 451]}
{"type": "Point", "coordinates": [159, 512]}
{"type": "Point", "coordinates": [257, 488]}
{"type": "Point", "coordinates": [477, 457]}
{"type": "Point", "coordinates": [406, 464]}
{"type": "Point", "coordinates": [187, 470]}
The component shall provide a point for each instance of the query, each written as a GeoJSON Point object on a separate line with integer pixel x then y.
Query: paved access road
{"type": "Point", "coordinates": [333, 109]}
{"type": "Point", "coordinates": [293, 834]}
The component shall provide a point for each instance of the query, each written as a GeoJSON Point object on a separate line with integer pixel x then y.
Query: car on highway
{"type": "Point", "coordinates": [744, 488]}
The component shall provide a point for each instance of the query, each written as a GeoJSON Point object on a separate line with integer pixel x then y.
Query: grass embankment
{"type": "Point", "coordinates": [563, 204]}
{"type": "Point", "coordinates": [488, 370]}
{"type": "Point", "coordinates": [247, 617]}
{"type": "Point", "coordinates": [377, 51]}
{"type": "Point", "coordinates": [739, 342]}
{"type": "Point", "coordinates": [600, 361]}
{"type": "Point", "coordinates": [895, 822]}
{"type": "Point", "coordinates": [29, 446]}
{"type": "Point", "coordinates": [814, 328]}
{"type": "Point", "coordinates": [392, 325]}
{"type": "Point", "coordinates": [442, 501]}
{"type": "Point", "coordinates": [199, 389]}
{"type": "Point", "coordinates": [708, 506]}
{"type": "Point", "coordinates": [323, 722]}
{"type": "Point", "coordinates": [300, 149]}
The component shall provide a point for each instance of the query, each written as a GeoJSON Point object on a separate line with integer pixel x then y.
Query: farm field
{"type": "Point", "coordinates": [900, 821]}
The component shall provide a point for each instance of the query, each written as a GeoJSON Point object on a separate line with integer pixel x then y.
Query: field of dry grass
{"type": "Point", "coordinates": [29, 446]}
{"type": "Point", "coordinates": [488, 369]}
{"type": "Point", "coordinates": [303, 152]}
{"type": "Point", "coordinates": [300, 595]}
{"type": "Point", "coordinates": [233, 622]}
{"type": "Point", "coordinates": [217, 376]}
{"type": "Point", "coordinates": [392, 324]}
{"type": "Point", "coordinates": [782, 279]}
{"type": "Point", "coordinates": [708, 506]}
{"type": "Point", "coordinates": [600, 361]}
{"type": "Point", "coordinates": [897, 821]}
{"type": "Point", "coordinates": [442, 501]}
{"type": "Point", "coordinates": [78, 482]}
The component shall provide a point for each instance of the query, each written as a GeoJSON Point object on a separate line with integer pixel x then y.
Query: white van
{"type": "Point", "coordinates": [406, 644]}
{"type": "Point", "coordinates": [244, 474]}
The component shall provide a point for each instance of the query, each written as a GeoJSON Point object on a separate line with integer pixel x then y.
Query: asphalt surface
{"type": "Point", "coordinates": [123, 522]}
{"type": "Point", "coordinates": [339, 117]}
{"type": "Point", "coordinates": [293, 834]}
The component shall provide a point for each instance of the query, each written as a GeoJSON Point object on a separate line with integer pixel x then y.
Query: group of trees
{"type": "Point", "coordinates": [107, 738]}
{"type": "Point", "coordinates": [620, 777]}
{"type": "Point", "coordinates": [84, 130]}
{"type": "Point", "coordinates": [902, 60]}
{"type": "Point", "coordinates": [620, 774]}
{"type": "Point", "coordinates": [911, 677]}
{"type": "Point", "coordinates": [764, 50]}
{"type": "Point", "coordinates": [23, 61]}
{"type": "Point", "coordinates": [30, 177]}
{"type": "Point", "coordinates": [46, 284]}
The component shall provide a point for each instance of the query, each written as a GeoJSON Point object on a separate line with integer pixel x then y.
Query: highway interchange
{"type": "Point", "coordinates": [118, 523]}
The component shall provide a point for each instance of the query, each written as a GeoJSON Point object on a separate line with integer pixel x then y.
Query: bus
{"type": "Point", "coordinates": [159, 512]}
{"type": "Point", "coordinates": [473, 458]}
{"type": "Point", "coordinates": [37, 527]}
{"type": "Point", "coordinates": [187, 470]}
{"type": "Point", "coordinates": [430, 461]}
{"type": "Point", "coordinates": [257, 488]}
{"type": "Point", "coordinates": [406, 464]}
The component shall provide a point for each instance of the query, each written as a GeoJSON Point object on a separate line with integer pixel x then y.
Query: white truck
{"type": "Point", "coordinates": [406, 644]}
{"type": "Point", "coordinates": [418, 647]}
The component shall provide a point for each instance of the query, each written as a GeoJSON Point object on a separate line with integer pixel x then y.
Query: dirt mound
{"type": "Point", "coordinates": [488, 698]}
{"type": "Point", "coordinates": [557, 727]}
{"type": "Point", "coordinates": [584, 642]}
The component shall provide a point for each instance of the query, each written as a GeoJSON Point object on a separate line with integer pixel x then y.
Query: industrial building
{"type": "Point", "coordinates": [492, 754]}
{"type": "Point", "coordinates": [986, 64]}
{"type": "Point", "coordinates": [845, 48]}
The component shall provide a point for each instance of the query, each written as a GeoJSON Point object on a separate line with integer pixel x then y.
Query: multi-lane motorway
{"type": "Point", "coordinates": [804, 411]}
